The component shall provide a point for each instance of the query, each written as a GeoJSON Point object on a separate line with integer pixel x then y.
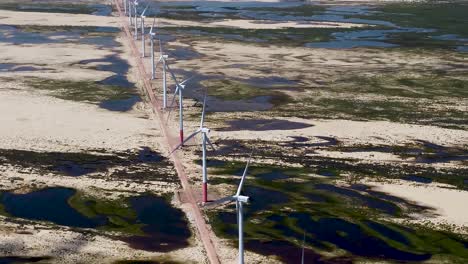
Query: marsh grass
{"type": "Point", "coordinates": [80, 91]}
{"type": "Point", "coordinates": [448, 17]}
{"type": "Point", "coordinates": [230, 90]}
{"type": "Point", "coordinates": [283, 36]}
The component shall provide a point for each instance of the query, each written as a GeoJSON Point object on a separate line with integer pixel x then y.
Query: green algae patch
{"type": "Point", "coordinates": [121, 217]}
{"type": "Point", "coordinates": [80, 91]}
{"type": "Point", "coordinates": [51, 7]}
{"type": "Point", "coordinates": [230, 90]}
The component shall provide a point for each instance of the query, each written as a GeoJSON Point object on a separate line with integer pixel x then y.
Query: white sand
{"type": "Point", "coordinates": [56, 19]}
{"type": "Point", "coordinates": [450, 204]}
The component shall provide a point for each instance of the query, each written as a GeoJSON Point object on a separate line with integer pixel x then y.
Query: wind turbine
{"type": "Point", "coordinates": [179, 88]}
{"type": "Point", "coordinates": [124, 3]}
{"type": "Point", "coordinates": [135, 23]}
{"type": "Point", "coordinates": [163, 60]}
{"type": "Point", "coordinates": [142, 22]}
{"type": "Point", "coordinates": [205, 139]}
{"type": "Point", "coordinates": [152, 36]}
{"type": "Point", "coordinates": [240, 200]}
{"type": "Point", "coordinates": [130, 16]}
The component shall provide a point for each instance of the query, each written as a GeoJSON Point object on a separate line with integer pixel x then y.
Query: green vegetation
{"type": "Point", "coordinates": [142, 165]}
{"type": "Point", "coordinates": [85, 29]}
{"type": "Point", "coordinates": [302, 10]}
{"type": "Point", "coordinates": [81, 91]}
{"type": "Point", "coordinates": [52, 7]}
{"type": "Point", "coordinates": [283, 36]}
{"type": "Point", "coordinates": [281, 210]}
{"type": "Point", "coordinates": [118, 212]}
{"type": "Point", "coordinates": [233, 90]}
{"type": "Point", "coordinates": [448, 17]}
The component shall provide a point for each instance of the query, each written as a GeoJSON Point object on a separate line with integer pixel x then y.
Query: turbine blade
{"type": "Point", "coordinates": [243, 176]}
{"type": "Point", "coordinates": [173, 75]}
{"type": "Point", "coordinates": [144, 11]}
{"type": "Point", "coordinates": [222, 200]}
{"type": "Point", "coordinates": [188, 79]}
{"type": "Point", "coordinates": [170, 106]}
{"type": "Point", "coordinates": [203, 112]}
{"type": "Point", "coordinates": [187, 139]}
{"type": "Point", "coordinates": [152, 26]}
{"type": "Point", "coordinates": [209, 143]}
{"type": "Point", "coordinates": [160, 46]}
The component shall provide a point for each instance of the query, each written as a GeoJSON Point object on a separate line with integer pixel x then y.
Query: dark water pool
{"type": "Point", "coordinates": [18, 259]}
{"type": "Point", "coordinates": [48, 205]}
{"type": "Point", "coordinates": [165, 228]}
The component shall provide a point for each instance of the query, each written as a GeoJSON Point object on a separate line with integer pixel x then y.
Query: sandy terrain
{"type": "Point", "coordinates": [55, 19]}
{"type": "Point", "coordinates": [449, 203]}
{"type": "Point", "coordinates": [32, 120]}
{"type": "Point", "coordinates": [256, 24]}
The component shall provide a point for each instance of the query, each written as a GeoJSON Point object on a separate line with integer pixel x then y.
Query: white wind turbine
{"type": "Point", "coordinates": [240, 200]}
{"type": "Point", "coordinates": [124, 3]}
{"type": "Point", "coordinates": [163, 60]}
{"type": "Point", "coordinates": [129, 9]}
{"type": "Point", "coordinates": [178, 90]}
{"type": "Point", "coordinates": [142, 22]}
{"type": "Point", "coordinates": [135, 22]}
{"type": "Point", "coordinates": [152, 37]}
{"type": "Point", "coordinates": [205, 139]}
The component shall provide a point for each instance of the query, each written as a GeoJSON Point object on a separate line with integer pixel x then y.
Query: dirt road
{"type": "Point", "coordinates": [204, 232]}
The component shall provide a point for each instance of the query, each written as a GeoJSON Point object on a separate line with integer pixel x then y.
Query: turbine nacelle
{"type": "Point", "coordinates": [241, 198]}
{"type": "Point", "coordinates": [205, 130]}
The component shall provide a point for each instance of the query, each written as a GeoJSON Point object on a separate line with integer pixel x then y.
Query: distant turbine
{"type": "Point", "coordinates": [135, 23]}
{"type": "Point", "coordinates": [163, 60]}
{"type": "Point", "coordinates": [124, 3]}
{"type": "Point", "coordinates": [239, 199]}
{"type": "Point", "coordinates": [205, 139]}
{"type": "Point", "coordinates": [142, 22]}
{"type": "Point", "coordinates": [179, 88]}
{"type": "Point", "coordinates": [152, 36]}
{"type": "Point", "coordinates": [130, 16]}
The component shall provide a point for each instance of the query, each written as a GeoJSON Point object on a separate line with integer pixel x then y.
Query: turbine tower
{"type": "Point", "coordinates": [240, 200]}
{"type": "Point", "coordinates": [135, 23]}
{"type": "Point", "coordinates": [205, 139]}
{"type": "Point", "coordinates": [130, 16]}
{"type": "Point", "coordinates": [163, 60]}
{"type": "Point", "coordinates": [179, 88]}
{"type": "Point", "coordinates": [142, 22]}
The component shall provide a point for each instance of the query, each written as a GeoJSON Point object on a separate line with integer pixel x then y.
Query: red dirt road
{"type": "Point", "coordinates": [204, 232]}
